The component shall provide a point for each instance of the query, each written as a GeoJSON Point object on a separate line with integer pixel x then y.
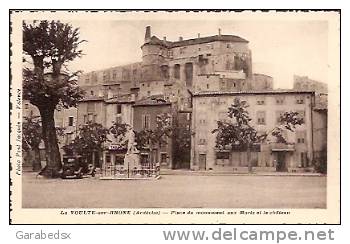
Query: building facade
{"type": "Point", "coordinates": [196, 80]}
{"type": "Point", "coordinates": [145, 118]}
{"type": "Point", "coordinates": [264, 109]}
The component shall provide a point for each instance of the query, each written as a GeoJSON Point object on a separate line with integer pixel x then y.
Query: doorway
{"type": "Point", "coordinates": [202, 161]}
{"type": "Point", "coordinates": [281, 162]}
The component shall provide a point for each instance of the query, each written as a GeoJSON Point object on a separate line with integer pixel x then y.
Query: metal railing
{"type": "Point", "coordinates": [120, 171]}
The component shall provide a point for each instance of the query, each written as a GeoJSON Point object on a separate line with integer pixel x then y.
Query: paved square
{"type": "Point", "coordinates": [177, 191]}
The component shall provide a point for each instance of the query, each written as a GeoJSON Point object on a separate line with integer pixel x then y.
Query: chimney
{"type": "Point", "coordinates": [148, 33]}
{"type": "Point", "coordinates": [199, 35]}
{"type": "Point", "coordinates": [164, 38]}
{"type": "Point", "coordinates": [219, 32]}
{"type": "Point", "coordinates": [180, 38]}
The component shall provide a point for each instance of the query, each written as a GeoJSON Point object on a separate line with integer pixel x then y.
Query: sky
{"type": "Point", "coordinates": [279, 48]}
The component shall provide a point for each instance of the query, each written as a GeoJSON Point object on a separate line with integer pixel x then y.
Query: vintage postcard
{"type": "Point", "coordinates": [175, 117]}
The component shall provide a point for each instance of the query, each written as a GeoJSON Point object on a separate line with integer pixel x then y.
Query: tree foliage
{"type": "Point", "coordinates": [90, 138]}
{"type": "Point", "coordinates": [239, 131]}
{"type": "Point", "coordinates": [31, 133]}
{"type": "Point", "coordinates": [48, 46]}
{"type": "Point", "coordinates": [158, 135]}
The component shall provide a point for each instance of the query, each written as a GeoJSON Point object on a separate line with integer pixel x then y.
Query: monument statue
{"type": "Point", "coordinates": [131, 158]}
{"type": "Point", "coordinates": [131, 142]}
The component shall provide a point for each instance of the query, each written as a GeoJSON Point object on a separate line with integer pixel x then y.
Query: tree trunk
{"type": "Point", "coordinates": [93, 157]}
{"type": "Point", "coordinates": [36, 161]}
{"type": "Point", "coordinates": [53, 157]}
{"type": "Point", "coordinates": [250, 167]}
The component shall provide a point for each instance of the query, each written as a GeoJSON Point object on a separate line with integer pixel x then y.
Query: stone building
{"type": "Point", "coordinates": [261, 82]}
{"type": "Point", "coordinates": [265, 107]}
{"type": "Point", "coordinates": [197, 78]}
{"type": "Point", "coordinates": [304, 83]}
{"type": "Point", "coordinates": [145, 116]}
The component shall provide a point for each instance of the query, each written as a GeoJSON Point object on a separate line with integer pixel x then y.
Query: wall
{"type": "Point", "coordinates": [261, 82]}
{"type": "Point", "coordinates": [99, 111]}
{"type": "Point", "coordinates": [126, 113]}
{"type": "Point", "coordinates": [320, 132]}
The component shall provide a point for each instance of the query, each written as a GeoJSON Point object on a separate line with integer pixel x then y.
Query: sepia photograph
{"type": "Point", "coordinates": [168, 112]}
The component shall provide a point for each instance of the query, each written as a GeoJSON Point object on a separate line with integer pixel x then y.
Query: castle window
{"type": "Point", "coordinates": [260, 101]}
{"type": "Point", "coordinates": [228, 45]}
{"type": "Point", "coordinates": [279, 100]}
{"type": "Point", "coordinates": [188, 73]}
{"type": "Point", "coordinates": [119, 108]}
{"type": "Point", "coordinates": [300, 100]}
{"type": "Point", "coordinates": [207, 86]}
{"type": "Point", "coordinates": [177, 71]}
{"type": "Point", "coordinates": [261, 117]}
{"type": "Point", "coordinates": [91, 93]}
{"type": "Point", "coordinates": [301, 137]}
{"type": "Point", "coordinates": [70, 121]}
{"type": "Point", "coordinates": [165, 71]}
{"type": "Point", "coordinates": [202, 121]}
{"type": "Point", "coordinates": [146, 121]}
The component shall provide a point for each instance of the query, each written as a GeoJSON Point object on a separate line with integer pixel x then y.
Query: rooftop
{"type": "Point", "coordinates": [230, 38]}
{"type": "Point", "coordinates": [152, 100]}
{"type": "Point", "coordinates": [222, 93]}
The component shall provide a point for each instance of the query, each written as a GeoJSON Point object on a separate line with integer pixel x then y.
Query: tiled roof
{"type": "Point", "coordinates": [152, 100]}
{"type": "Point", "coordinates": [231, 38]}
{"type": "Point", "coordinates": [125, 98]}
{"type": "Point", "coordinates": [280, 91]}
{"type": "Point", "coordinates": [92, 98]}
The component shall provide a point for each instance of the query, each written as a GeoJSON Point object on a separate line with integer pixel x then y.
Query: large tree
{"type": "Point", "coordinates": [238, 131]}
{"type": "Point", "coordinates": [48, 47]}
